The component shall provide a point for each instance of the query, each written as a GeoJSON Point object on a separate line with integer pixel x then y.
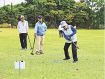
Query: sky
{"type": "Point", "coordinates": [14, 2]}
{"type": "Point", "coordinates": [77, 0]}
{"type": "Point", "coordinates": [9, 2]}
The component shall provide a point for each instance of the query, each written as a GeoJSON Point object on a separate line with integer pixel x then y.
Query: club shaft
{"type": "Point", "coordinates": [33, 45]}
{"type": "Point", "coordinates": [29, 41]}
{"type": "Point", "coordinates": [75, 45]}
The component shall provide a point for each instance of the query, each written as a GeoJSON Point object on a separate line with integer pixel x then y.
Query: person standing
{"type": "Point", "coordinates": [40, 29]}
{"type": "Point", "coordinates": [23, 31]}
{"type": "Point", "coordinates": [69, 33]}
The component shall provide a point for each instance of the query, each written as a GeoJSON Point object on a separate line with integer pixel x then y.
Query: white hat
{"type": "Point", "coordinates": [63, 23]}
{"type": "Point", "coordinates": [21, 16]}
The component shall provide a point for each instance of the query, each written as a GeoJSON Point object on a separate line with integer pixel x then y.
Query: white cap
{"type": "Point", "coordinates": [21, 16]}
{"type": "Point", "coordinates": [63, 23]}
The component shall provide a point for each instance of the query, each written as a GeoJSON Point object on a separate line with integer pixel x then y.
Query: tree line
{"type": "Point", "coordinates": [84, 14]}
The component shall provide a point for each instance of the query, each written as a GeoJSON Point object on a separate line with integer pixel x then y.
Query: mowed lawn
{"type": "Point", "coordinates": [50, 65]}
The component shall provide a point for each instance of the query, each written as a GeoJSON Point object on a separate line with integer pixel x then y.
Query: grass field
{"type": "Point", "coordinates": [50, 65]}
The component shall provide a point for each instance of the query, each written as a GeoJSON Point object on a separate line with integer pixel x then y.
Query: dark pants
{"type": "Point", "coordinates": [74, 51]}
{"type": "Point", "coordinates": [23, 40]}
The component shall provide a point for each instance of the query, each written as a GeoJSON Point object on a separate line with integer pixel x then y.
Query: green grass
{"type": "Point", "coordinates": [50, 65]}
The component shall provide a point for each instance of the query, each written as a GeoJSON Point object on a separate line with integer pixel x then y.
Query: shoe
{"type": "Point", "coordinates": [41, 52]}
{"type": "Point", "coordinates": [75, 61]}
{"type": "Point", "coordinates": [37, 53]}
{"type": "Point", "coordinates": [66, 59]}
{"type": "Point", "coordinates": [32, 53]}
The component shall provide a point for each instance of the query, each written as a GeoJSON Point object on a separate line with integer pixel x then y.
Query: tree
{"type": "Point", "coordinates": [29, 1]}
{"type": "Point", "coordinates": [96, 13]}
{"type": "Point", "coordinates": [85, 14]}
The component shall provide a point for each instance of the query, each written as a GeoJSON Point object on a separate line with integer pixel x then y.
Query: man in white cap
{"type": "Point", "coordinates": [23, 30]}
{"type": "Point", "coordinates": [69, 33]}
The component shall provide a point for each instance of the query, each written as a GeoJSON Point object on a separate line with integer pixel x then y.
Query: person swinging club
{"type": "Point", "coordinates": [69, 33]}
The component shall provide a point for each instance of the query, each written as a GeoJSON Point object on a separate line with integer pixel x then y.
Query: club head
{"type": "Point", "coordinates": [32, 53]}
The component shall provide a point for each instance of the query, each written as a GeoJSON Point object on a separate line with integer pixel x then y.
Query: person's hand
{"type": "Point", "coordinates": [69, 38]}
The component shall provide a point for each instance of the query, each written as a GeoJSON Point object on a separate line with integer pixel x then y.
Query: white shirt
{"type": "Point", "coordinates": [22, 26]}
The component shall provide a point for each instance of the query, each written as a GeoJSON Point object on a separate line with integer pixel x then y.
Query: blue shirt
{"type": "Point", "coordinates": [40, 28]}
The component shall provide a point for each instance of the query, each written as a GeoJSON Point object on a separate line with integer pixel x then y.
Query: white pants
{"type": "Point", "coordinates": [40, 40]}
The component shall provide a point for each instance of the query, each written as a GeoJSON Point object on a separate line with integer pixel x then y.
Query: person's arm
{"type": "Point", "coordinates": [66, 36]}
{"type": "Point", "coordinates": [60, 31]}
{"type": "Point", "coordinates": [27, 27]}
{"type": "Point", "coordinates": [60, 28]}
{"type": "Point", "coordinates": [73, 30]}
{"type": "Point", "coordinates": [35, 30]}
{"type": "Point", "coordinates": [45, 27]}
{"type": "Point", "coordinates": [18, 27]}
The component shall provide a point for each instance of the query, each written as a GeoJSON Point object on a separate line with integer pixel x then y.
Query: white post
{"type": "Point", "coordinates": [19, 65]}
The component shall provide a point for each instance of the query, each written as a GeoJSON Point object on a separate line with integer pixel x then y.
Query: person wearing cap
{"type": "Point", "coordinates": [23, 30]}
{"type": "Point", "coordinates": [69, 33]}
{"type": "Point", "coordinates": [40, 29]}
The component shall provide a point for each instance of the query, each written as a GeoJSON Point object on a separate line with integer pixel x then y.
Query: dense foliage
{"type": "Point", "coordinates": [87, 14]}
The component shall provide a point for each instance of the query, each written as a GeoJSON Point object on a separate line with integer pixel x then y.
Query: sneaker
{"type": "Point", "coordinates": [37, 53]}
{"type": "Point", "coordinates": [75, 61]}
{"type": "Point", "coordinates": [41, 52]}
